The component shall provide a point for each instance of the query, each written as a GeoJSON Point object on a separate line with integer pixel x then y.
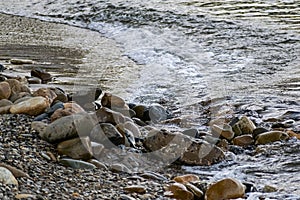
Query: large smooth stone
{"type": "Point", "coordinates": [47, 93]}
{"type": "Point", "coordinates": [112, 101]}
{"type": "Point", "coordinates": [5, 102]}
{"type": "Point", "coordinates": [157, 113]}
{"type": "Point", "coordinates": [243, 140]}
{"type": "Point", "coordinates": [5, 110]}
{"type": "Point", "coordinates": [68, 109]}
{"type": "Point", "coordinates": [132, 127]}
{"type": "Point", "coordinates": [33, 106]}
{"type": "Point", "coordinates": [77, 148]}
{"type": "Point", "coordinates": [15, 85]}
{"type": "Point", "coordinates": [223, 130]}
{"type": "Point", "coordinates": [76, 164]}
{"type": "Point", "coordinates": [66, 128]}
{"type": "Point", "coordinates": [228, 188]}
{"type": "Point", "coordinates": [61, 95]}
{"type": "Point", "coordinates": [107, 134]}
{"type": "Point", "coordinates": [6, 177]}
{"type": "Point", "coordinates": [5, 90]}
{"type": "Point", "coordinates": [178, 191]}
{"type": "Point", "coordinates": [271, 136]}
{"type": "Point", "coordinates": [186, 178]}
{"type": "Point", "coordinates": [244, 126]}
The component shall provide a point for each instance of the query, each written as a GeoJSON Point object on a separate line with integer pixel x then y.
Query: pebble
{"type": "Point", "coordinates": [6, 177]}
{"type": "Point", "coordinates": [135, 189]}
{"type": "Point", "coordinates": [16, 61]}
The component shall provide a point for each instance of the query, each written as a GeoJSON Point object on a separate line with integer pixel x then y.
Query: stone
{"type": "Point", "coordinates": [34, 80]}
{"type": "Point", "coordinates": [126, 197]}
{"type": "Point", "coordinates": [76, 164]}
{"type": "Point", "coordinates": [25, 88]}
{"type": "Point", "coordinates": [127, 134]}
{"type": "Point", "coordinates": [195, 190]}
{"type": "Point", "coordinates": [2, 68]}
{"type": "Point", "coordinates": [140, 110]}
{"type": "Point", "coordinates": [68, 109]}
{"type": "Point", "coordinates": [61, 95]}
{"type": "Point", "coordinates": [105, 115]}
{"type": "Point", "coordinates": [98, 164]}
{"type": "Point", "coordinates": [41, 74]}
{"type": "Point", "coordinates": [244, 125]}
{"type": "Point", "coordinates": [46, 93]}
{"type": "Point", "coordinates": [154, 176]}
{"type": "Point", "coordinates": [223, 130]}
{"type": "Point", "coordinates": [6, 177]}
{"type": "Point", "coordinates": [118, 167]}
{"type": "Point", "coordinates": [18, 97]}
{"type": "Point", "coordinates": [202, 153]}
{"type": "Point", "coordinates": [112, 101]}
{"type": "Point", "coordinates": [269, 189]}
{"type": "Point", "coordinates": [157, 113]}
{"type": "Point", "coordinates": [33, 106]}
{"type": "Point", "coordinates": [5, 90]}
{"type": "Point", "coordinates": [107, 134]}
{"type": "Point", "coordinates": [65, 128]}
{"type": "Point", "coordinates": [97, 149]}
{"type": "Point", "coordinates": [5, 110]}
{"type": "Point", "coordinates": [135, 189]}
{"type": "Point", "coordinates": [16, 172]}
{"type": "Point", "coordinates": [271, 136]}
{"type": "Point", "coordinates": [293, 134]}
{"type": "Point", "coordinates": [243, 140]}
{"type": "Point", "coordinates": [186, 178]}
{"type": "Point", "coordinates": [25, 196]}
{"type": "Point", "coordinates": [77, 148]}
{"type": "Point", "coordinates": [16, 61]}
{"type": "Point", "coordinates": [178, 191]}
{"type": "Point", "coordinates": [5, 102]}
{"type": "Point", "coordinates": [15, 85]}
{"type": "Point", "coordinates": [227, 188]}
{"type": "Point", "coordinates": [258, 131]}
{"type": "Point", "coordinates": [192, 132]}
{"type": "Point", "coordinates": [131, 126]}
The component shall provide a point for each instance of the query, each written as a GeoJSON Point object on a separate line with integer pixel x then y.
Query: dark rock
{"type": "Point", "coordinates": [258, 131]}
{"type": "Point", "coordinates": [34, 80]}
{"type": "Point", "coordinates": [191, 132]}
{"type": "Point", "coordinates": [105, 115]}
{"type": "Point", "coordinates": [41, 74]}
{"type": "Point", "coordinates": [157, 113]}
{"type": "Point", "coordinates": [107, 134]}
{"type": "Point", "coordinates": [16, 61]}
{"type": "Point", "coordinates": [2, 68]}
{"type": "Point", "coordinates": [243, 140]}
{"type": "Point", "coordinates": [61, 95]}
{"type": "Point", "coordinates": [112, 101]}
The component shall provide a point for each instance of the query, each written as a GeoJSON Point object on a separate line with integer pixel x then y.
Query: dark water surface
{"type": "Point", "coordinates": [232, 52]}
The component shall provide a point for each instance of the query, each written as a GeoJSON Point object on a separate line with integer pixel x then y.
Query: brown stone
{"type": "Point", "coordinates": [15, 85]}
{"type": "Point", "coordinates": [178, 191]}
{"type": "Point", "coordinates": [33, 106]}
{"type": "Point", "coordinates": [293, 134]}
{"type": "Point", "coordinates": [225, 189]}
{"type": "Point", "coordinates": [5, 90]}
{"type": "Point", "coordinates": [110, 101]}
{"type": "Point", "coordinates": [244, 126]}
{"type": "Point", "coordinates": [47, 93]}
{"type": "Point", "coordinates": [223, 130]}
{"type": "Point", "coordinates": [69, 109]}
{"type": "Point", "coordinates": [271, 136]}
{"type": "Point", "coordinates": [61, 95]}
{"type": "Point", "coordinates": [243, 140]}
{"type": "Point", "coordinates": [186, 178]}
{"type": "Point", "coordinates": [16, 172]}
{"type": "Point", "coordinates": [135, 189]}
{"type": "Point", "coordinates": [105, 115]}
{"type": "Point", "coordinates": [16, 61]}
{"type": "Point", "coordinates": [77, 148]}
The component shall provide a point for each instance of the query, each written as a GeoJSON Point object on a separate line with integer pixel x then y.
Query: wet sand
{"type": "Point", "coordinates": [73, 55]}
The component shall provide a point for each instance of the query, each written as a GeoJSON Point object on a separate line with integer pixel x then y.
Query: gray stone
{"type": "Point", "coordinates": [76, 164]}
{"type": "Point", "coordinates": [77, 148]}
{"type": "Point", "coordinates": [107, 134]}
{"type": "Point", "coordinates": [6, 177]}
{"type": "Point", "coordinates": [5, 102]}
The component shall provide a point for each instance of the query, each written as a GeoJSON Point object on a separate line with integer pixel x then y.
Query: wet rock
{"type": "Point", "coordinates": [5, 110]}
{"type": "Point", "coordinates": [6, 177]}
{"type": "Point", "coordinates": [258, 131]}
{"type": "Point", "coordinates": [186, 178]}
{"type": "Point", "coordinates": [271, 136]}
{"type": "Point", "coordinates": [34, 80]}
{"type": "Point", "coordinates": [16, 61]}
{"type": "Point", "coordinates": [77, 148]}
{"type": "Point", "coordinates": [139, 121]}
{"type": "Point", "coordinates": [157, 113]}
{"type": "Point", "coordinates": [118, 167]}
{"type": "Point", "coordinates": [223, 144]}
{"type": "Point", "coordinates": [16, 172]}
{"type": "Point", "coordinates": [202, 153]}
{"type": "Point", "coordinates": [244, 126]}
{"type": "Point", "coordinates": [269, 189]}
{"type": "Point", "coordinates": [178, 191]}
{"type": "Point", "coordinates": [112, 101]}
{"type": "Point", "coordinates": [223, 130]}
{"type": "Point", "coordinates": [65, 128]}
{"type": "Point", "coordinates": [33, 106]}
{"type": "Point", "coordinates": [140, 110]}
{"type": "Point", "coordinates": [76, 164]}
{"type": "Point", "coordinates": [107, 134]}
{"type": "Point", "coordinates": [5, 90]}
{"type": "Point", "coordinates": [135, 189]}
{"type": "Point", "coordinates": [41, 74]}
{"type": "Point", "coordinates": [228, 188]}
{"type": "Point", "coordinates": [2, 78]}
{"type": "Point", "coordinates": [2, 68]}
{"type": "Point", "coordinates": [5, 102]}
{"type": "Point", "coordinates": [46, 93]}
{"type": "Point", "coordinates": [195, 190]}
{"type": "Point", "coordinates": [243, 140]}
{"type": "Point", "coordinates": [105, 115]}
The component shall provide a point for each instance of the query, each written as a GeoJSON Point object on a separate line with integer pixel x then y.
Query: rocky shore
{"type": "Point", "coordinates": [92, 144]}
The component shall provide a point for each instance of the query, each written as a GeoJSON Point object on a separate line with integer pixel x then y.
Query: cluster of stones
{"type": "Point", "coordinates": [82, 132]}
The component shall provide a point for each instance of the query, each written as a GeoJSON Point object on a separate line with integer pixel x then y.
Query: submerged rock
{"type": "Point", "coordinates": [33, 106]}
{"type": "Point", "coordinates": [228, 188]}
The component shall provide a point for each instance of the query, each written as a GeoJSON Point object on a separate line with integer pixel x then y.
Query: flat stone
{"type": "Point", "coordinates": [76, 164]}
{"type": "Point", "coordinates": [98, 164]}
{"type": "Point", "coordinates": [16, 61]}
{"type": "Point", "coordinates": [33, 106]}
{"type": "Point", "coordinates": [118, 167]}
{"type": "Point", "coordinates": [136, 189]}
{"type": "Point", "coordinates": [6, 177]}
{"type": "Point", "coordinates": [186, 178]}
{"type": "Point", "coordinates": [25, 196]}
{"type": "Point", "coordinates": [228, 188]}
{"type": "Point", "coordinates": [16, 172]}
{"type": "Point", "coordinates": [77, 148]}
{"type": "Point", "coordinates": [243, 140]}
{"type": "Point", "coordinates": [271, 136]}
{"type": "Point", "coordinates": [5, 90]}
